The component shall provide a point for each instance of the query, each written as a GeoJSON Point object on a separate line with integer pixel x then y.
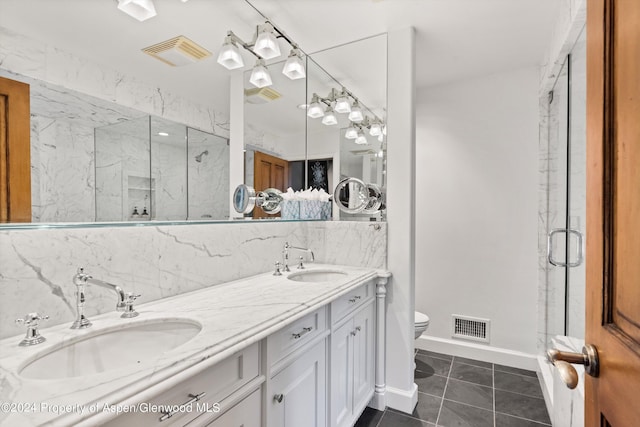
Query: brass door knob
{"type": "Point", "coordinates": [563, 359]}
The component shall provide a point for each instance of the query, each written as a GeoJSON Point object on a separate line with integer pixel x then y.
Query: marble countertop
{"type": "Point", "coordinates": [233, 316]}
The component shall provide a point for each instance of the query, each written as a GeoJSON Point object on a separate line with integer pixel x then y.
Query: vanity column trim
{"type": "Point", "coordinates": [378, 401]}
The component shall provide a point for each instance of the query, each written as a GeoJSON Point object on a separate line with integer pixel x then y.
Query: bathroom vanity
{"type": "Point", "coordinates": [302, 349]}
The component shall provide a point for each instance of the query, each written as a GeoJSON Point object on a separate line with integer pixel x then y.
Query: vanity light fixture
{"type": "Point", "coordinates": [329, 118]}
{"type": "Point", "coordinates": [375, 129]}
{"type": "Point", "coordinates": [260, 76]}
{"type": "Point", "coordinates": [266, 44]}
{"type": "Point", "coordinates": [361, 139]}
{"type": "Point", "coordinates": [294, 67]}
{"type": "Point", "coordinates": [315, 109]}
{"type": "Point", "coordinates": [351, 132]}
{"type": "Point", "coordinates": [138, 9]}
{"type": "Point", "coordinates": [356, 113]}
{"type": "Point", "coordinates": [229, 56]}
{"type": "Point", "coordinates": [342, 103]}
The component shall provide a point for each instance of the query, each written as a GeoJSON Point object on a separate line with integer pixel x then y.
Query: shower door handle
{"type": "Point", "coordinates": [579, 248]}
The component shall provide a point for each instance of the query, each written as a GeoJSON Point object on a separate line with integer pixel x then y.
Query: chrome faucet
{"type": "Point", "coordinates": [125, 300]}
{"type": "Point", "coordinates": [285, 256]}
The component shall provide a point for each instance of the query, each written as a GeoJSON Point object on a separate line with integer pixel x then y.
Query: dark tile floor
{"type": "Point", "coordinates": [459, 392]}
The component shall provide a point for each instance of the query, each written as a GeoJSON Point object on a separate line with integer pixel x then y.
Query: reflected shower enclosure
{"type": "Point", "coordinates": [155, 169]}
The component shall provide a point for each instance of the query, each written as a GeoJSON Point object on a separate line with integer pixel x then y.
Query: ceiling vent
{"type": "Point", "coordinates": [261, 95]}
{"type": "Point", "coordinates": [177, 51]}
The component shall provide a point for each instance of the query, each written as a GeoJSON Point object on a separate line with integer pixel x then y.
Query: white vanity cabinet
{"type": "Point", "coordinates": [352, 365]}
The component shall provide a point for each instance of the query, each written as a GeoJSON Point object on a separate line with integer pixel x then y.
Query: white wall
{"type": "Point", "coordinates": [476, 204]}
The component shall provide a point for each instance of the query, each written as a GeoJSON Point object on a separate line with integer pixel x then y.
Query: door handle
{"type": "Point", "coordinates": [579, 248]}
{"type": "Point", "coordinates": [563, 360]}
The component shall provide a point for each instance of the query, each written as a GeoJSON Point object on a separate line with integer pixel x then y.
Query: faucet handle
{"type": "Point", "coordinates": [129, 311]}
{"type": "Point", "coordinates": [300, 263]}
{"type": "Point", "coordinates": [33, 335]}
{"type": "Point", "coordinates": [277, 272]}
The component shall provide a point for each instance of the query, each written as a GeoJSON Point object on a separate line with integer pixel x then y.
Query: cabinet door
{"type": "Point", "coordinates": [342, 374]}
{"type": "Point", "coordinates": [299, 391]}
{"type": "Point", "coordinates": [363, 358]}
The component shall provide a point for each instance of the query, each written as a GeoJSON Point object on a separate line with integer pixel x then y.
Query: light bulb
{"type": "Point", "coordinates": [329, 118]}
{"type": "Point", "coordinates": [361, 139]}
{"type": "Point", "coordinates": [380, 138]}
{"type": "Point", "coordinates": [294, 66]}
{"type": "Point", "coordinates": [266, 44]}
{"type": "Point", "coordinates": [260, 76]}
{"type": "Point", "coordinates": [351, 133]}
{"type": "Point", "coordinates": [356, 113]}
{"type": "Point", "coordinates": [315, 109]}
{"type": "Point", "coordinates": [342, 105]}
{"type": "Point", "coordinates": [229, 56]}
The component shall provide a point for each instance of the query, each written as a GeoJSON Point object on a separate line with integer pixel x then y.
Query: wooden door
{"type": "Point", "coordinates": [613, 211]}
{"type": "Point", "coordinates": [269, 172]}
{"type": "Point", "coordinates": [15, 152]}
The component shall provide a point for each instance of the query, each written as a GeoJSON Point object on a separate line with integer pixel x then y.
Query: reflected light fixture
{"type": "Point", "coordinates": [380, 138]}
{"type": "Point", "coordinates": [163, 134]}
{"type": "Point", "coordinates": [351, 133]}
{"type": "Point", "coordinates": [260, 76]}
{"type": "Point", "coordinates": [315, 109]}
{"type": "Point", "coordinates": [266, 44]}
{"type": "Point", "coordinates": [329, 118]}
{"type": "Point", "coordinates": [375, 129]}
{"type": "Point", "coordinates": [229, 56]}
{"type": "Point", "coordinates": [294, 67]}
{"type": "Point", "coordinates": [342, 104]}
{"type": "Point", "coordinates": [138, 9]}
{"type": "Point", "coordinates": [356, 113]}
{"type": "Point", "coordinates": [361, 139]}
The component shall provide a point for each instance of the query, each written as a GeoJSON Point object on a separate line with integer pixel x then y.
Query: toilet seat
{"type": "Point", "coordinates": [421, 319]}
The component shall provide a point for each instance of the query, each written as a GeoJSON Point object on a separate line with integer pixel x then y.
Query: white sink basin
{"type": "Point", "coordinates": [316, 276]}
{"type": "Point", "coordinates": [112, 349]}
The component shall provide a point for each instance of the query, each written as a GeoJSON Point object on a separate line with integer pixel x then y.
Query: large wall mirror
{"type": "Point", "coordinates": [117, 135]}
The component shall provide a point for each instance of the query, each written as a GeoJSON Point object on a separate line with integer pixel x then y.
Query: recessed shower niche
{"type": "Point", "coordinates": [155, 169]}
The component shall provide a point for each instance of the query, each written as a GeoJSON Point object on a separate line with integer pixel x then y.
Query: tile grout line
{"type": "Point", "coordinates": [542, 423]}
{"type": "Point", "coordinates": [381, 417]}
{"type": "Point", "coordinates": [445, 390]}
{"type": "Point", "coordinates": [493, 382]}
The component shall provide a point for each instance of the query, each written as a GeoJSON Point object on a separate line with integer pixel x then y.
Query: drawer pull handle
{"type": "Point", "coordinates": [278, 398]}
{"type": "Point", "coordinates": [352, 300]}
{"type": "Point", "coordinates": [354, 332]}
{"type": "Point", "coordinates": [194, 398]}
{"type": "Point", "coordinates": [300, 334]}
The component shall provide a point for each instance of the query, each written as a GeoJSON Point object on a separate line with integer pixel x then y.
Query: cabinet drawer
{"type": "Point", "coordinates": [216, 382]}
{"type": "Point", "coordinates": [350, 301]}
{"type": "Point", "coordinates": [247, 413]}
{"type": "Point", "coordinates": [297, 334]}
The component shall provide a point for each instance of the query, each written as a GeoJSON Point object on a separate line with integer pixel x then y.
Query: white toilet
{"type": "Point", "coordinates": [421, 323]}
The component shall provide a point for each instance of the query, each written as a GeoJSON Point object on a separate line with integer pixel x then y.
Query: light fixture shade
{"type": "Point", "coordinates": [260, 76]}
{"type": "Point", "coordinates": [329, 118]}
{"type": "Point", "coordinates": [351, 132]}
{"type": "Point", "coordinates": [375, 129]}
{"type": "Point", "coordinates": [294, 66]}
{"type": "Point", "coordinates": [267, 44]}
{"type": "Point", "coordinates": [229, 56]}
{"type": "Point", "coordinates": [356, 113]}
{"type": "Point", "coordinates": [139, 9]}
{"type": "Point", "coordinates": [315, 110]}
{"type": "Point", "coordinates": [380, 137]}
{"type": "Point", "coordinates": [384, 130]}
{"type": "Point", "coordinates": [361, 139]}
{"type": "Point", "coordinates": [342, 105]}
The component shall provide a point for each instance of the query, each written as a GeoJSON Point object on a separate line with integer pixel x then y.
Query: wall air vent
{"type": "Point", "coordinates": [261, 95]}
{"type": "Point", "coordinates": [177, 51]}
{"type": "Point", "coordinates": [470, 328]}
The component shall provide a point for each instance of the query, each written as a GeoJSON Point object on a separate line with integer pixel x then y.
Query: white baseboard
{"type": "Point", "coordinates": [501, 356]}
{"type": "Point", "coordinates": [402, 400]}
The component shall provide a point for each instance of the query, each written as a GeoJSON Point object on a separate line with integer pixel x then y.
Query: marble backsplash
{"type": "Point", "coordinates": [160, 261]}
